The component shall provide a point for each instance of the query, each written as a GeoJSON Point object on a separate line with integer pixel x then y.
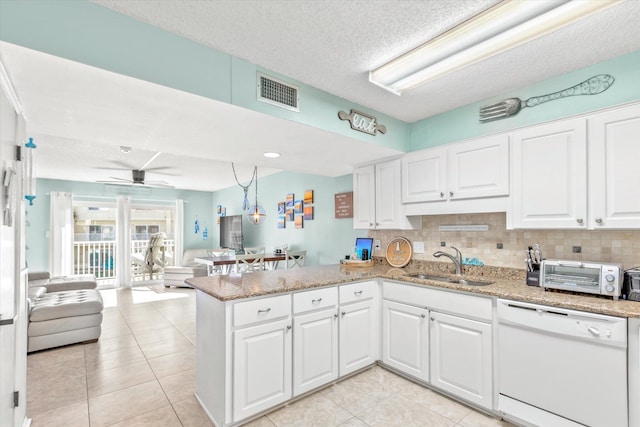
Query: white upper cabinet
{"type": "Point", "coordinates": [614, 159]}
{"type": "Point", "coordinates": [466, 176]}
{"type": "Point", "coordinates": [578, 173]}
{"type": "Point", "coordinates": [479, 168]}
{"type": "Point", "coordinates": [376, 198]}
{"type": "Point", "coordinates": [364, 197]}
{"type": "Point", "coordinates": [550, 175]}
{"type": "Point", "coordinates": [424, 175]}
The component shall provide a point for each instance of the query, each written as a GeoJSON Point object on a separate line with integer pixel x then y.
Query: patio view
{"type": "Point", "coordinates": [94, 245]}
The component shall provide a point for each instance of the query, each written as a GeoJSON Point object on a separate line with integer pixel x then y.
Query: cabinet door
{"type": "Point", "coordinates": [358, 336]}
{"type": "Point", "coordinates": [461, 358]}
{"type": "Point", "coordinates": [261, 367]}
{"type": "Point", "coordinates": [424, 176]}
{"type": "Point", "coordinates": [405, 338]}
{"type": "Point", "coordinates": [315, 350]}
{"type": "Point", "coordinates": [614, 158]}
{"type": "Point", "coordinates": [388, 203]}
{"type": "Point", "coordinates": [364, 197]}
{"type": "Point", "coordinates": [479, 168]}
{"type": "Point", "coordinates": [549, 164]}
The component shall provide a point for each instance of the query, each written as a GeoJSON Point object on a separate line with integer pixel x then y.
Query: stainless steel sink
{"type": "Point", "coordinates": [430, 277]}
{"type": "Point", "coordinates": [448, 279]}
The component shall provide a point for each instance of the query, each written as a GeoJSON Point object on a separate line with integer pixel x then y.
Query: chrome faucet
{"type": "Point", "coordinates": [457, 260]}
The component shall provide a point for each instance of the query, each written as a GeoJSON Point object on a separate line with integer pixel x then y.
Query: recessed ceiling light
{"type": "Point", "coordinates": [125, 149]}
{"type": "Point", "coordinates": [272, 155]}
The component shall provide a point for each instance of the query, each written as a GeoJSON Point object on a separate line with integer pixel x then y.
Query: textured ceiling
{"type": "Point", "coordinates": [82, 114]}
{"type": "Point", "coordinates": [331, 45]}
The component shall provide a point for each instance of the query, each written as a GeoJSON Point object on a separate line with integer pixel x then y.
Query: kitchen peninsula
{"type": "Point", "coordinates": [266, 338]}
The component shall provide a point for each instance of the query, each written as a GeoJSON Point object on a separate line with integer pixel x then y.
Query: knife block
{"type": "Point", "coordinates": [533, 278]}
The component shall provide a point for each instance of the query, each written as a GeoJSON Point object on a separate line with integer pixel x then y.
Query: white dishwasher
{"type": "Point", "coordinates": [560, 367]}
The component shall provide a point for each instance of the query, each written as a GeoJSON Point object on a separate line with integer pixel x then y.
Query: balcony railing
{"type": "Point", "coordinates": [99, 257]}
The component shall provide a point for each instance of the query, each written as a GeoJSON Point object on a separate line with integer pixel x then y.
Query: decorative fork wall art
{"type": "Point", "coordinates": [511, 106]}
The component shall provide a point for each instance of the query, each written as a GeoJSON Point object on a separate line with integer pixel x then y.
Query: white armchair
{"type": "Point", "coordinates": [176, 275]}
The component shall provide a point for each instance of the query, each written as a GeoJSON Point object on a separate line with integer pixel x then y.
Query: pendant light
{"type": "Point", "coordinates": [245, 188]}
{"type": "Point", "coordinates": [256, 214]}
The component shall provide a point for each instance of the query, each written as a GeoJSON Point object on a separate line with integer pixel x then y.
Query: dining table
{"type": "Point", "coordinates": [225, 262]}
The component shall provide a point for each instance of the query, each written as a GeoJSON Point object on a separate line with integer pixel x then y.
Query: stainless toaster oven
{"type": "Point", "coordinates": [586, 277]}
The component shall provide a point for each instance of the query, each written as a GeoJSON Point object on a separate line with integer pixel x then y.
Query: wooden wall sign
{"type": "Point", "coordinates": [344, 205]}
{"type": "Point", "coordinates": [362, 122]}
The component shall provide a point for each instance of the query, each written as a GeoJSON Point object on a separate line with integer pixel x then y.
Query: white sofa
{"type": "Point", "coordinates": [176, 275]}
{"type": "Point", "coordinates": [63, 310]}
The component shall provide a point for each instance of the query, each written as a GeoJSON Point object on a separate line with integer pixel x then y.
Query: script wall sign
{"type": "Point", "coordinates": [362, 122]}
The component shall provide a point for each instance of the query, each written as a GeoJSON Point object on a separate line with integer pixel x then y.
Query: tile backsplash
{"type": "Point", "coordinates": [616, 246]}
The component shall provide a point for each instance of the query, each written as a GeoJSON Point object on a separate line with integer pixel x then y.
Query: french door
{"type": "Point", "coordinates": [98, 250]}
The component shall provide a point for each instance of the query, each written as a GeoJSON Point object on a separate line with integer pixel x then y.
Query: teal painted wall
{"type": "Point", "coordinates": [463, 123]}
{"type": "Point", "coordinates": [325, 238]}
{"type": "Point", "coordinates": [196, 203]}
{"type": "Point", "coordinates": [91, 34]}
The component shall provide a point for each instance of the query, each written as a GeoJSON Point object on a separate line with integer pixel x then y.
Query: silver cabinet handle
{"type": "Point", "coordinates": [335, 316]}
{"type": "Point", "coordinates": [370, 224]}
{"type": "Point", "coordinates": [315, 301]}
{"type": "Point", "coordinates": [580, 220]}
{"type": "Point", "coordinates": [451, 193]}
{"type": "Point", "coordinates": [441, 194]}
{"type": "Point", "coordinates": [599, 220]}
{"type": "Point", "coordinates": [264, 311]}
{"type": "Point", "coordinates": [343, 313]}
{"type": "Point", "coordinates": [433, 319]}
{"type": "Point", "coordinates": [357, 292]}
{"type": "Point", "coordinates": [423, 315]}
{"type": "Point", "coordinates": [288, 327]}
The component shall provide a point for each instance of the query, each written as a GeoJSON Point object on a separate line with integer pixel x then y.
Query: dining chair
{"type": "Point", "coordinates": [248, 263]}
{"type": "Point", "coordinates": [295, 259]}
{"type": "Point", "coordinates": [254, 250]}
{"type": "Point", "coordinates": [212, 270]}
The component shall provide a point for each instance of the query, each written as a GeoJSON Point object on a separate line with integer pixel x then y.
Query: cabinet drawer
{"type": "Point", "coordinates": [315, 299]}
{"type": "Point", "coordinates": [357, 292]}
{"type": "Point", "coordinates": [468, 306]}
{"type": "Point", "coordinates": [261, 310]}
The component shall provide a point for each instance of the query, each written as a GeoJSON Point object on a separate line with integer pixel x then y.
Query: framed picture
{"type": "Point", "coordinates": [289, 215]}
{"type": "Point", "coordinates": [298, 221]}
{"type": "Point", "coordinates": [289, 201]}
{"type": "Point", "coordinates": [297, 206]}
{"type": "Point", "coordinates": [308, 197]}
{"type": "Point", "coordinates": [308, 213]}
{"type": "Point", "coordinates": [281, 206]}
{"type": "Point", "coordinates": [281, 221]}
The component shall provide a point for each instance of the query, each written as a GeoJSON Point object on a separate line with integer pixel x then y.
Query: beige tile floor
{"type": "Point", "coordinates": [142, 373]}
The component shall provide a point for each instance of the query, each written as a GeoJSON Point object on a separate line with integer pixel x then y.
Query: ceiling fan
{"type": "Point", "coordinates": [138, 175]}
{"type": "Point", "coordinates": [137, 178]}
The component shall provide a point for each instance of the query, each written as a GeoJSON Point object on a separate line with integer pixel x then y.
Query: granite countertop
{"type": "Point", "coordinates": [507, 283]}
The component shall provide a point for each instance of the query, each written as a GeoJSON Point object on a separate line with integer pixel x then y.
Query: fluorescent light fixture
{"type": "Point", "coordinates": [504, 26]}
{"type": "Point", "coordinates": [272, 155]}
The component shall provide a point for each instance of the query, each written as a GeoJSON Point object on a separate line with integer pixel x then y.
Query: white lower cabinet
{"type": "Point", "coordinates": [461, 362]}
{"type": "Point", "coordinates": [261, 367]}
{"type": "Point", "coordinates": [359, 332]}
{"type": "Point", "coordinates": [425, 335]}
{"type": "Point", "coordinates": [253, 355]}
{"type": "Point", "coordinates": [405, 338]}
{"type": "Point", "coordinates": [315, 350]}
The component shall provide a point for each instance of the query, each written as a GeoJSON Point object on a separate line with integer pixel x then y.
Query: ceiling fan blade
{"type": "Point", "coordinates": [158, 170]}
{"type": "Point", "coordinates": [122, 165]}
{"type": "Point", "coordinates": [158, 185]}
{"type": "Point", "coordinates": [156, 182]}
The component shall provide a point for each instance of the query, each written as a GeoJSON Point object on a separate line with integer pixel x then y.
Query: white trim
{"type": "Point", "coordinates": [7, 88]}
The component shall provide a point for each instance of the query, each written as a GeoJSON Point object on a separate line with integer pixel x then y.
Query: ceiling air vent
{"type": "Point", "coordinates": [277, 92]}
